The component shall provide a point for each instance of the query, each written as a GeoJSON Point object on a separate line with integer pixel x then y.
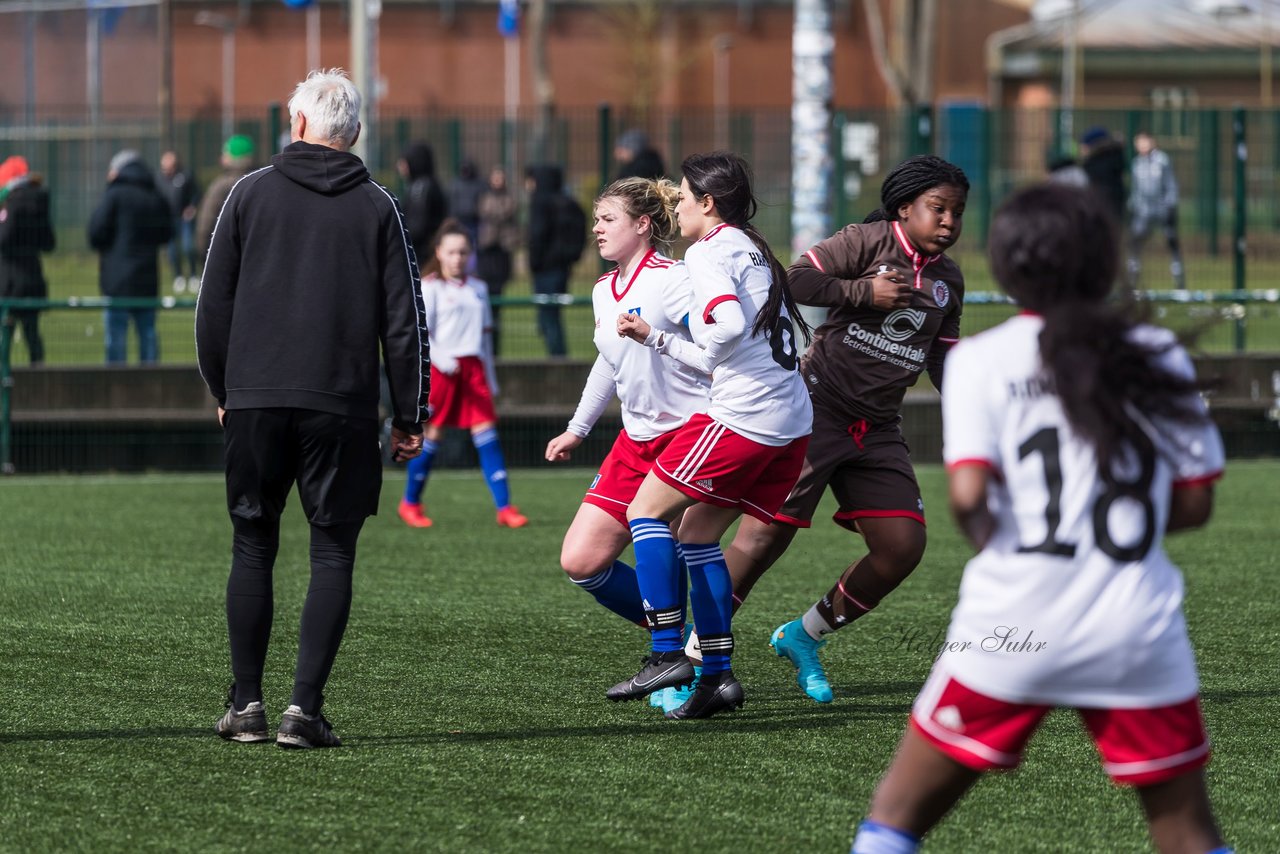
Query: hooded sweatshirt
{"type": "Point", "coordinates": [309, 272]}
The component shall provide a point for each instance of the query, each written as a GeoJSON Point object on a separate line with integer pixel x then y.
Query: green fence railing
{"type": "Point", "coordinates": [74, 400]}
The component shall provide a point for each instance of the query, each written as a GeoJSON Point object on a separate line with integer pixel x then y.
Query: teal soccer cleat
{"type": "Point", "coordinates": [674, 698]}
{"type": "Point", "coordinates": [792, 642]}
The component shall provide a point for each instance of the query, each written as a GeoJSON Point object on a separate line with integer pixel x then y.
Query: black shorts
{"type": "Point", "coordinates": [868, 469]}
{"type": "Point", "coordinates": [334, 459]}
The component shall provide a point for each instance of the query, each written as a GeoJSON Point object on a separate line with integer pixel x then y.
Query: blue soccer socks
{"type": "Point", "coordinates": [657, 571]}
{"type": "Point", "coordinates": [618, 590]}
{"type": "Point", "coordinates": [876, 838]}
{"type": "Point", "coordinates": [419, 470]}
{"type": "Point", "coordinates": [493, 465]}
{"type": "Point", "coordinates": [711, 592]}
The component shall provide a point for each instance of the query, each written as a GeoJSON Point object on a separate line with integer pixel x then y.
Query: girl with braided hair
{"type": "Point", "coordinates": [1074, 439]}
{"type": "Point", "coordinates": [740, 455]}
{"type": "Point", "coordinates": [894, 300]}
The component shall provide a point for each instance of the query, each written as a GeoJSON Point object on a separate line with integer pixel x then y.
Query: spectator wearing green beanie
{"type": "Point", "coordinates": [237, 161]}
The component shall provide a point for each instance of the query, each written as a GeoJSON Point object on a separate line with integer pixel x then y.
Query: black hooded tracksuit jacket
{"type": "Point", "coordinates": [309, 272]}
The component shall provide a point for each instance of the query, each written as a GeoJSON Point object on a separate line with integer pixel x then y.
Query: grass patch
{"type": "Point", "coordinates": [470, 688]}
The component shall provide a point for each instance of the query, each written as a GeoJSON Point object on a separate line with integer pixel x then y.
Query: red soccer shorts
{"type": "Point", "coordinates": [1139, 747]}
{"type": "Point", "coordinates": [622, 472]}
{"type": "Point", "coordinates": [709, 462]}
{"type": "Point", "coordinates": [461, 399]}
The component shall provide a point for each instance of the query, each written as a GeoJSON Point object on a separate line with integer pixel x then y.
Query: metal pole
{"type": "Point", "coordinates": [1241, 210]}
{"type": "Point", "coordinates": [720, 46]}
{"type": "Point", "coordinates": [164, 22]}
{"type": "Point", "coordinates": [313, 37]}
{"type": "Point", "coordinates": [228, 80]}
{"type": "Point", "coordinates": [359, 17]}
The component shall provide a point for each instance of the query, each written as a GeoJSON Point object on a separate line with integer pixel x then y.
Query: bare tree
{"type": "Point", "coordinates": [905, 57]}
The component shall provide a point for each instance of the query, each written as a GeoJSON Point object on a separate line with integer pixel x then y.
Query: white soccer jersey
{"type": "Point", "coordinates": [657, 394]}
{"type": "Point", "coordinates": [458, 316]}
{"type": "Point", "coordinates": [757, 391]}
{"type": "Point", "coordinates": [1073, 601]}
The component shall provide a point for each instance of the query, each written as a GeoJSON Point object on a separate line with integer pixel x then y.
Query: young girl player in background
{"type": "Point", "coordinates": [462, 377]}
{"type": "Point", "coordinates": [1074, 439]}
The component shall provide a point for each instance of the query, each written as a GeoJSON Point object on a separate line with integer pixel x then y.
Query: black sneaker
{"type": "Point", "coordinates": [715, 692]}
{"type": "Point", "coordinates": [247, 725]}
{"type": "Point", "coordinates": [661, 670]}
{"type": "Point", "coordinates": [298, 730]}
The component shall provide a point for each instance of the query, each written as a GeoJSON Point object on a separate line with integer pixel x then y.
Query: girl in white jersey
{"type": "Point", "coordinates": [462, 377]}
{"type": "Point", "coordinates": [634, 217]}
{"type": "Point", "coordinates": [742, 455]}
{"type": "Point", "coordinates": [1074, 439]}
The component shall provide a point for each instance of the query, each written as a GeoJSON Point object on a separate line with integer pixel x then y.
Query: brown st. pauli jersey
{"type": "Point", "coordinates": [864, 359]}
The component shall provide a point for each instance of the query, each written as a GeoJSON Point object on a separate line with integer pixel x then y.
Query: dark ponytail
{"type": "Point", "coordinates": [726, 178]}
{"type": "Point", "coordinates": [1055, 250]}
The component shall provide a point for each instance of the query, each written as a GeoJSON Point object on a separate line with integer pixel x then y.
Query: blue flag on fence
{"type": "Point", "coordinates": [509, 18]}
{"type": "Point", "coordinates": [108, 15]}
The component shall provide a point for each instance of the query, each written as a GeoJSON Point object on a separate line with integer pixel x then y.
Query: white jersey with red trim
{"type": "Point", "coordinates": [757, 391]}
{"type": "Point", "coordinates": [458, 316]}
{"type": "Point", "coordinates": [1073, 601]}
{"type": "Point", "coordinates": [657, 394]}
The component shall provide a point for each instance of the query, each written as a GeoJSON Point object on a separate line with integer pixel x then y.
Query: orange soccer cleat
{"type": "Point", "coordinates": [413, 516]}
{"type": "Point", "coordinates": [511, 517]}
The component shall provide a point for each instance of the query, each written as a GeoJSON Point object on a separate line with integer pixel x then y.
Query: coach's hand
{"type": "Point", "coordinates": [634, 327]}
{"type": "Point", "coordinates": [222, 413]}
{"type": "Point", "coordinates": [404, 446]}
{"type": "Point", "coordinates": [889, 290]}
{"type": "Point", "coordinates": [558, 448]}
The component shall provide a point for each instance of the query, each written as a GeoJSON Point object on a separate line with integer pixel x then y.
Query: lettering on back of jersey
{"type": "Point", "coordinates": [758, 259]}
{"type": "Point", "coordinates": [1032, 388]}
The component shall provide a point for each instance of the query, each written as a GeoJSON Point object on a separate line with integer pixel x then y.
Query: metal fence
{"type": "Point", "coordinates": [76, 414]}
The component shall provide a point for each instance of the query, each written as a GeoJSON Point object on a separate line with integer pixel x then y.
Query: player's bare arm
{"type": "Point", "coordinates": [968, 494]}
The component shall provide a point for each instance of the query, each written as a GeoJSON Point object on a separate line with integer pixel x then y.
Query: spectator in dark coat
{"type": "Point", "coordinates": [424, 204]}
{"type": "Point", "coordinates": [1104, 163]}
{"type": "Point", "coordinates": [636, 158]}
{"type": "Point", "coordinates": [127, 229]}
{"type": "Point", "coordinates": [551, 253]}
{"type": "Point", "coordinates": [25, 232]}
{"type": "Point", "coordinates": [464, 199]}
{"type": "Point", "coordinates": [179, 186]}
{"type": "Point", "coordinates": [498, 242]}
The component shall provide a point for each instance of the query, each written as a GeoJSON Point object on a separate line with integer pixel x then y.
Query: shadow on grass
{"type": "Point", "coordinates": [106, 734]}
{"type": "Point", "coordinates": [763, 712]}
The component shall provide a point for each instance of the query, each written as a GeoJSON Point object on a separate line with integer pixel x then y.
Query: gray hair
{"type": "Point", "coordinates": [331, 103]}
{"type": "Point", "coordinates": [121, 160]}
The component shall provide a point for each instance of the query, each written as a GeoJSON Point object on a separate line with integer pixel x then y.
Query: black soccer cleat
{"type": "Point", "coordinates": [661, 670]}
{"type": "Point", "coordinates": [301, 731]}
{"type": "Point", "coordinates": [247, 725]}
{"type": "Point", "coordinates": [714, 693]}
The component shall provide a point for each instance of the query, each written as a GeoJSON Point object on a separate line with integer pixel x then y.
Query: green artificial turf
{"type": "Point", "coordinates": [470, 690]}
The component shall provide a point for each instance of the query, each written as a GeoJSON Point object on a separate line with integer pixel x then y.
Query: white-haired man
{"type": "Point", "coordinates": [309, 273]}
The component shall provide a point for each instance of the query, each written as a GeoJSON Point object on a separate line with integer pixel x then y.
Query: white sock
{"type": "Point", "coordinates": [815, 626]}
{"type": "Point", "coordinates": [876, 838]}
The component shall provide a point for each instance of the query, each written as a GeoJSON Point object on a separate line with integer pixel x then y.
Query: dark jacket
{"type": "Point", "coordinates": [309, 274]}
{"type": "Point", "coordinates": [180, 190]}
{"type": "Point", "coordinates": [646, 163]}
{"type": "Point", "coordinates": [1106, 168]}
{"type": "Point", "coordinates": [425, 208]}
{"type": "Point", "coordinates": [557, 225]}
{"type": "Point", "coordinates": [128, 227]}
{"type": "Point", "coordinates": [25, 232]}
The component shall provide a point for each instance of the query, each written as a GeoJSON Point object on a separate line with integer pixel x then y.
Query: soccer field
{"type": "Point", "coordinates": [470, 690]}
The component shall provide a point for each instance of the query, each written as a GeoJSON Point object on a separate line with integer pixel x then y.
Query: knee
{"type": "Point", "coordinates": [903, 549]}
{"type": "Point", "coordinates": [580, 564]}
